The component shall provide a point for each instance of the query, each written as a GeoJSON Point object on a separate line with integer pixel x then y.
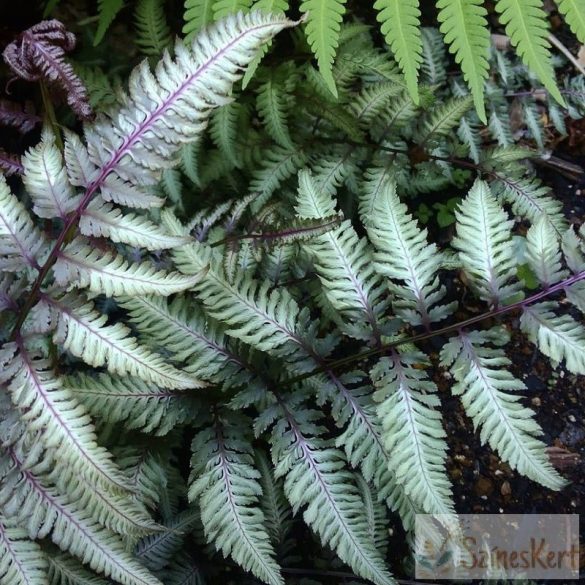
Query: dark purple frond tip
{"type": "Point", "coordinates": [19, 116]}
{"type": "Point", "coordinates": [38, 53]}
{"type": "Point", "coordinates": [10, 164]}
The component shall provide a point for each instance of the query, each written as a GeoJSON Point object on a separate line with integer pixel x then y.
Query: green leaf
{"type": "Point", "coordinates": [222, 8]}
{"type": "Point", "coordinates": [153, 33]}
{"type": "Point", "coordinates": [323, 26]}
{"type": "Point", "coordinates": [574, 12]}
{"type": "Point", "coordinates": [466, 30]}
{"type": "Point", "coordinates": [107, 11]}
{"type": "Point", "coordinates": [198, 14]}
{"type": "Point", "coordinates": [401, 28]}
{"type": "Point", "coordinates": [527, 26]}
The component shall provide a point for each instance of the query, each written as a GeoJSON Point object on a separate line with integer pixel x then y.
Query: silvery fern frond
{"type": "Point", "coordinates": [104, 220]}
{"type": "Point", "coordinates": [43, 511]}
{"type": "Point", "coordinates": [225, 483]}
{"type": "Point", "coordinates": [21, 243]}
{"type": "Point", "coordinates": [316, 479]}
{"type": "Point", "coordinates": [484, 243]}
{"type": "Point", "coordinates": [559, 337]}
{"type": "Point", "coordinates": [342, 260]}
{"type": "Point", "coordinates": [412, 430]}
{"type": "Point", "coordinates": [48, 408]}
{"type": "Point", "coordinates": [176, 100]}
{"type": "Point", "coordinates": [46, 180]}
{"type": "Point", "coordinates": [82, 330]}
{"type": "Point", "coordinates": [529, 199]}
{"type": "Point", "coordinates": [412, 273]}
{"type": "Point", "coordinates": [109, 273]}
{"type": "Point", "coordinates": [66, 570]}
{"type": "Point", "coordinates": [543, 252]}
{"type": "Point", "coordinates": [181, 328]}
{"type": "Point", "coordinates": [277, 511]}
{"type": "Point", "coordinates": [22, 562]}
{"type": "Point", "coordinates": [130, 401]}
{"type": "Point", "coordinates": [488, 393]}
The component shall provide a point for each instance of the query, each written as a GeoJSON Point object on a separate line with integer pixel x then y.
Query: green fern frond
{"type": "Point", "coordinates": [156, 550]}
{"type": "Point", "coordinates": [324, 19]}
{"type": "Point", "coordinates": [198, 14]}
{"type": "Point", "coordinates": [374, 100]}
{"type": "Point", "coordinates": [527, 26]}
{"type": "Point", "coordinates": [278, 165]}
{"type": "Point", "coordinates": [225, 484]}
{"type": "Point", "coordinates": [225, 127]}
{"type": "Point", "coordinates": [184, 570]}
{"type": "Point", "coordinates": [400, 21]}
{"type": "Point", "coordinates": [441, 121]}
{"type": "Point", "coordinates": [107, 12]}
{"type": "Point", "coordinates": [270, 7]}
{"type": "Point", "coordinates": [274, 103]}
{"type": "Point", "coordinates": [223, 8]}
{"type": "Point", "coordinates": [484, 384]}
{"type": "Point", "coordinates": [466, 31]}
{"type": "Point", "coordinates": [153, 34]}
{"type": "Point", "coordinates": [559, 337]}
{"type": "Point", "coordinates": [574, 12]}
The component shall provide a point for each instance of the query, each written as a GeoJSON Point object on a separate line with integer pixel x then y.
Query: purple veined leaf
{"type": "Point", "coordinates": [39, 54]}
{"type": "Point", "coordinates": [19, 116]}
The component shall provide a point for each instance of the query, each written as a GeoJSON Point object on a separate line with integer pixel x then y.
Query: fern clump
{"type": "Point", "coordinates": [222, 325]}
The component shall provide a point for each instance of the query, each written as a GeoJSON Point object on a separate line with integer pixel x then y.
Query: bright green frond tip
{"type": "Point", "coordinates": [527, 26]}
{"type": "Point", "coordinates": [222, 8]}
{"type": "Point", "coordinates": [107, 11]}
{"type": "Point", "coordinates": [198, 14]}
{"type": "Point", "coordinates": [323, 26]}
{"type": "Point", "coordinates": [574, 12]}
{"type": "Point", "coordinates": [400, 21]}
{"type": "Point", "coordinates": [466, 30]}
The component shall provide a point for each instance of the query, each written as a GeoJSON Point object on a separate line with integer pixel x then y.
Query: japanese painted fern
{"type": "Point", "coordinates": [127, 332]}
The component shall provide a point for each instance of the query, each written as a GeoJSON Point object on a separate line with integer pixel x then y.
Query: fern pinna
{"type": "Point", "coordinates": [127, 332]}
